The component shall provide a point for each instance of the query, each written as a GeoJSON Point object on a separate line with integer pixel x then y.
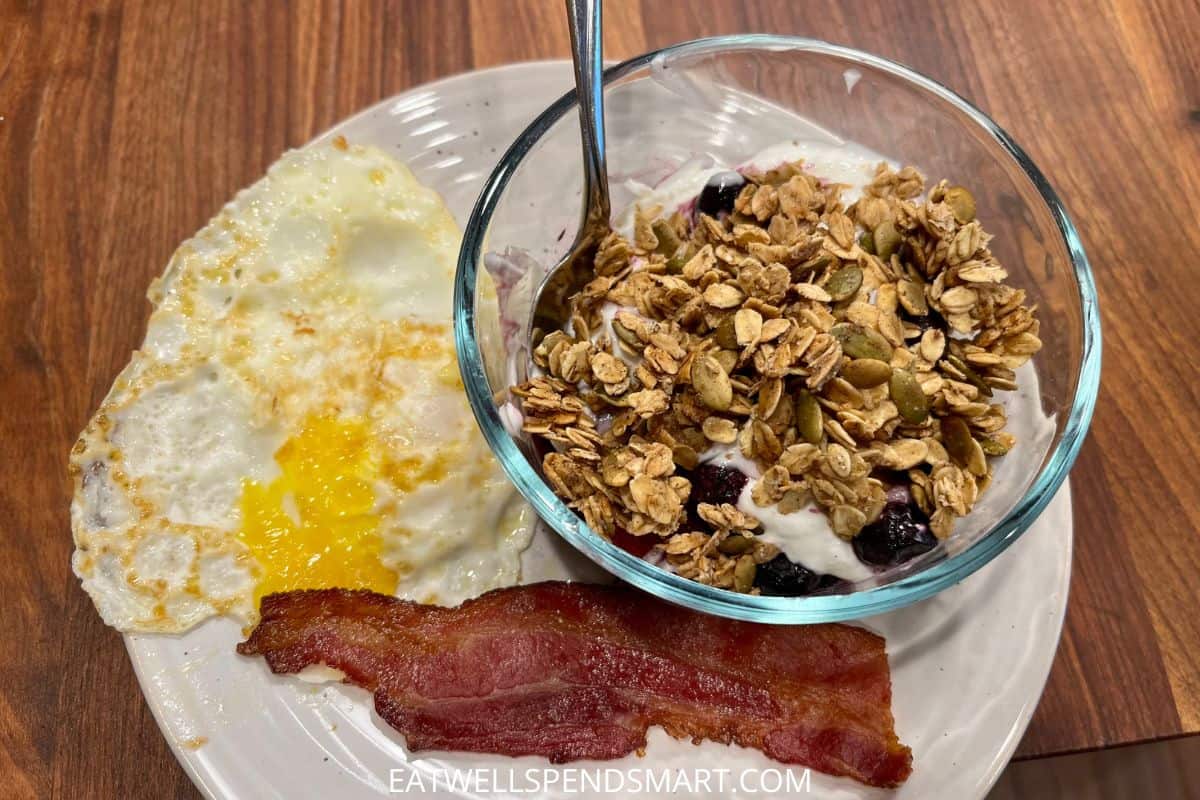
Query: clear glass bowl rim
{"type": "Point", "coordinates": [722, 602]}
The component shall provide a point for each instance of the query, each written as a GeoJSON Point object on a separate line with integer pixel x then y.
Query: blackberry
{"type": "Point", "coordinates": [901, 533]}
{"type": "Point", "coordinates": [712, 483]}
{"type": "Point", "coordinates": [787, 579]}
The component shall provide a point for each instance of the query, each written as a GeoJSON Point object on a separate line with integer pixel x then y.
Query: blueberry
{"type": "Point", "coordinates": [785, 578]}
{"type": "Point", "coordinates": [901, 533]}
{"type": "Point", "coordinates": [718, 194]}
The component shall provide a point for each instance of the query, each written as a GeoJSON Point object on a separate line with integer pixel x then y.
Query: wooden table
{"type": "Point", "coordinates": [125, 125]}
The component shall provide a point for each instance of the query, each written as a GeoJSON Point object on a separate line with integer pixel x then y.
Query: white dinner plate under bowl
{"type": "Point", "coordinates": [968, 665]}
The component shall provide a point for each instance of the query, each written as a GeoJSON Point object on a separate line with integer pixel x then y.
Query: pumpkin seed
{"type": "Point", "coordinates": [886, 239]}
{"type": "Point", "coordinates": [912, 297]}
{"type": "Point", "coordinates": [844, 283]}
{"type": "Point", "coordinates": [693, 439]}
{"type": "Point", "coordinates": [973, 377]}
{"type": "Point", "coordinates": [863, 373]}
{"type": "Point", "coordinates": [908, 396]}
{"type": "Point", "coordinates": [631, 350]}
{"type": "Point", "coordinates": [814, 263]}
{"type": "Point", "coordinates": [727, 359]}
{"type": "Point", "coordinates": [781, 419]}
{"type": "Point", "coordinates": [626, 335]}
{"type": "Point", "coordinates": [809, 421]}
{"type": "Point", "coordinates": [860, 342]}
{"type": "Point", "coordinates": [552, 339]}
{"type": "Point", "coordinates": [668, 241]}
{"type": "Point", "coordinates": [977, 460]}
{"type": "Point", "coordinates": [769, 394]}
{"type": "Point", "coordinates": [711, 382]}
{"type": "Point", "coordinates": [867, 242]}
{"type": "Point", "coordinates": [743, 574]}
{"type": "Point", "coordinates": [736, 544]}
{"type": "Point", "coordinates": [619, 402]}
{"type": "Point", "coordinates": [961, 202]}
{"type": "Point", "coordinates": [994, 447]}
{"type": "Point", "coordinates": [726, 334]}
{"type": "Point", "coordinates": [956, 437]}
{"type": "Point", "coordinates": [685, 456]}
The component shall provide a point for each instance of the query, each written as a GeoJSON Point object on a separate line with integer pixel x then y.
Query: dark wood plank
{"type": "Point", "coordinates": [63, 659]}
{"type": "Point", "coordinates": [125, 125]}
{"type": "Point", "coordinates": [1169, 770]}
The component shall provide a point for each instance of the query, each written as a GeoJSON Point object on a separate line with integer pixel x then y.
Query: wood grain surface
{"type": "Point", "coordinates": [125, 125]}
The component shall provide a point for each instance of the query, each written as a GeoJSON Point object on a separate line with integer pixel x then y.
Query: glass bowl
{"type": "Point", "coordinates": [731, 97]}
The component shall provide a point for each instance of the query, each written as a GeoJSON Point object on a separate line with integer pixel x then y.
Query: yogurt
{"type": "Point", "coordinates": [804, 536]}
{"type": "Point", "coordinates": [830, 159]}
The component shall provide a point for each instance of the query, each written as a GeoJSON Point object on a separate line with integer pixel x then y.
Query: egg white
{"type": "Point", "coordinates": [324, 290]}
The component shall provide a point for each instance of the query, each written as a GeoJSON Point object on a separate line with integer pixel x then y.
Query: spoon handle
{"type": "Point", "coordinates": [587, 53]}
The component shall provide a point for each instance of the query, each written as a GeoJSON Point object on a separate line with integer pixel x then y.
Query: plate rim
{"type": "Point", "coordinates": [1004, 755]}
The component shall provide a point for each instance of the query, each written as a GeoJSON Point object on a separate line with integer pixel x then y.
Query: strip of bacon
{"type": "Point", "coordinates": [576, 671]}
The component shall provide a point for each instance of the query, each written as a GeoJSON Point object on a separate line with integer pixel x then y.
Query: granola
{"type": "Point", "coordinates": [848, 352]}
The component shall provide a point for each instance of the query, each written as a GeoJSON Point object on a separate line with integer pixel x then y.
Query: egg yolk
{"type": "Point", "coordinates": [314, 526]}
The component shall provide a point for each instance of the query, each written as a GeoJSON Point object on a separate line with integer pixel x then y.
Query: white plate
{"type": "Point", "coordinates": [968, 666]}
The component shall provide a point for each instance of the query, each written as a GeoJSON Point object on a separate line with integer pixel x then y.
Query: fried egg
{"type": "Point", "coordinates": [295, 417]}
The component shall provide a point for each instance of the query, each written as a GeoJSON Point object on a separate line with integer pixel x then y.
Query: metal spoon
{"type": "Point", "coordinates": [568, 276]}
